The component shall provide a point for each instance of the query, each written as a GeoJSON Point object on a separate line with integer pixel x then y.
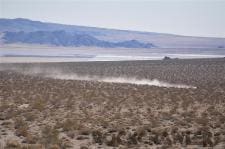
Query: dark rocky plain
{"type": "Point", "coordinates": [38, 112]}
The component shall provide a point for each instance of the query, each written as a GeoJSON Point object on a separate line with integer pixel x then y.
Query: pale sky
{"type": "Point", "coordinates": [183, 17]}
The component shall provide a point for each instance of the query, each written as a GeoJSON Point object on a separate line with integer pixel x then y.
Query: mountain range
{"type": "Point", "coordinates": [35, 32]}
{"type": "Point", "coordinates": [62, 38]}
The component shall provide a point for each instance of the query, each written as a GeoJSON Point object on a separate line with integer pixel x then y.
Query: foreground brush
{"type": "Point", "coordinates": [40, 110]}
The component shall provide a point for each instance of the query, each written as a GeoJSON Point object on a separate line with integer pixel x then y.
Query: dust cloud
{"type": "Point", "coordinates": [58, 74]}
{"type": "Point", "coordinates": [127, 80]}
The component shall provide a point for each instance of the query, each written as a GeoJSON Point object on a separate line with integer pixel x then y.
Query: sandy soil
{"type": "Point", "coordinates": [43, 112]}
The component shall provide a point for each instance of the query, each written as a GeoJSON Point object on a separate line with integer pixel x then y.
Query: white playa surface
{"type": "Point", "coordinates": [37, 53]}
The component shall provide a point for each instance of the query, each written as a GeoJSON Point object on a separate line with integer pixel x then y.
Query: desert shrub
{"type": "Point", "coordinates": [30, 116]}
{"type": "Point", "coordinates": [207, 139]}
{"type": "Point", "coordinates": [32, 146]}
{"type": "Point", "coordinates": [11, 113]}
{"type": "Point", "coordinates": [141, 134]}
{"type": "Point", "coordinates": [173, 110]}
{"type": "Point", "coordinates": [164, 146]}
{"type": "Point", "coordinates": [6, 124]}
{"type": "Point", "coordinates": [54, 146]}
{"type": "Point", "coordinates": [120, 134]}
{"type": "Point", "coordinates": [30, 139]}
{"type": "Point", "coordinates": [202, 121]}
{"type": "Point", "coordinates": [113, 142]}
{"type": "Point", "coordinates": [104, 123]}
{"type": "Point", "coordinates": [84, 132]}
{"type": "Point", "coordinates": [2, 116]}
{"type": "Point", "coordinates": [69, 104]}
{"type": "Point", "coordinates": [132, 139]}
{"type": "Point", "coordinates": [70, 125]}
{"type": "Point", "coordinates": [4, 105]}
{"type": "Point", "coordinates": [188, 139]}
{"type": "Point", "coordinates": [19, 122]}
{"type": "Point", "coordinates": [39, 105]}
{"type": "Point", "coordinates": [65, 143]}
{"type": "Point", "coordinates": [174, 130]}
{"type": "Point", "coordinates": [178, 138]}
{"type": "Point", "coordinates": [168, 141]}
{"type": "Point", "coordinates": [12, 144]}
{"type": "Point", "coordinates": [217, 140]}
{"type": "Point", "coordinates": [97, 137]}
{"type": "Point", "coordinates": [22, 131]}
{"type": "Point", "coordinates": [155, 139]}
{"type": "Point", "coordinates": [222, 119]}
{"type": "Point", "coordinates": [82, 137]}
{"type": "Point", "coordinates": [50, 136]}
{"type": "Point", "coordinates": [21, 127]}
{"type": "Point", "coordinates": [83, 147]}
{"type": "Point", "coordinates": [71, 134]}
{"type": "Point", "coordinates": [112, 130]}
{"type": "Point", "coordinates": [165, 133]}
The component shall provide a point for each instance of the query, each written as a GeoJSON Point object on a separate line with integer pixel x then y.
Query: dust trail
{"type": "Point", "coordinates": [58, 74]}
{"type": "Point", "coordinates": [128, 80]}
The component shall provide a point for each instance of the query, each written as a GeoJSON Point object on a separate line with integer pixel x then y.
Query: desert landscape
{"type": "Point", "coordinates": [55, 106]}
{"type": "Point", "coordinates": [112, 74]}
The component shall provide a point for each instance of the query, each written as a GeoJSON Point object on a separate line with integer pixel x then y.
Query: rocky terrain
{"type": "Point", "coordinates": [38, 112]}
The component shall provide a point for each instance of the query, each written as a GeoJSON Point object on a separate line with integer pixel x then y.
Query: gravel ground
{"type": "Point", "coordinates": [37, 111]}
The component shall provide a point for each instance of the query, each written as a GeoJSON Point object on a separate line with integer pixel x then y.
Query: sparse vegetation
{"type": "Point", "coordinates": [68, 113]}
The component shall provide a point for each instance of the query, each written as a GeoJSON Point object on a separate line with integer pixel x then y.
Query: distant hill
{"type": "Point", "coordinates": [28, 31]}
{"type": "Point", "coordinates": [62, 38]}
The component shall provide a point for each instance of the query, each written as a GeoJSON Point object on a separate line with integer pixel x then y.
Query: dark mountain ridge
{"type": "Point", "coordinates": [62, 38]}
{"type": "Point", "coordinates": [103, 36]}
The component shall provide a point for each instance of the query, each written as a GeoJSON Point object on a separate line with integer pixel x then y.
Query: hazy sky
{"type": "Point", "coordinates": [184, 17]}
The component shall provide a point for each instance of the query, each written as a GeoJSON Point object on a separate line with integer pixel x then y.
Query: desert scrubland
{"type": "Point", "coordinates": [39, 110]}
